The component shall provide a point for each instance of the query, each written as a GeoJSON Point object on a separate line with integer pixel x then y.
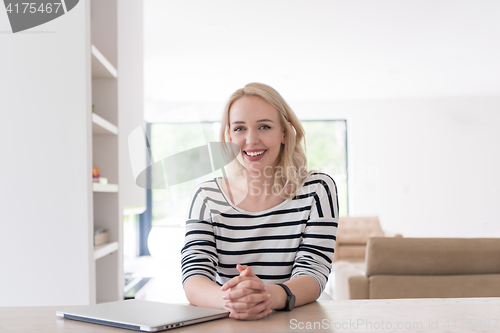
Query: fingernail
{"type": "Point", "coordinates": [224, 296]}
{"type": "Point", "coordinates": [268, 295]}
{"type": "Point", "coordinates": [227, 304]}
{"type": "Point", "coordinates": [269, 311]}
{"type": "Point", "coordinates": [265, 288]}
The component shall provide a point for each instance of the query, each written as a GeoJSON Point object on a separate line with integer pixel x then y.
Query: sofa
{"type": "Point", "coordinates": [353, 234]}
{"type": "Point", "coordinates": [422, 268]}
{"type": "Point", "coordinates": [350, 247]}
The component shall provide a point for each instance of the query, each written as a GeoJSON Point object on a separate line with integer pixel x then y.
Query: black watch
{"type": "Point", "coordinates": [290, 299]}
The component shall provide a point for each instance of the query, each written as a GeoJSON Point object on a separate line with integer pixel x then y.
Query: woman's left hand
{"type": "Point", "coordinates": [248, 298]}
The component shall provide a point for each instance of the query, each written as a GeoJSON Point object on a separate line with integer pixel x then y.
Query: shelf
{"type": "Point", "coordinates": [102, 126]}
{"type": "Point", "coordinates": [135, 210]}
{"type": "Point", "coordinates": [97, 187]}
{"type": "Point", "coordinates": [101, 67]}
{"type": "Point", "coordinates": [105, 249]}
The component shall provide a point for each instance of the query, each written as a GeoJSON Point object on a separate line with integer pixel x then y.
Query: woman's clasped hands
{"type": "Point", "coordinates": [247, 297]}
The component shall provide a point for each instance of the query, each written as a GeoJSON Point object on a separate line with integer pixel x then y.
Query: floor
{"type": "Point", "coordinates": [163, 266]}
{"type": "Point", "coordinates": [165, 285]}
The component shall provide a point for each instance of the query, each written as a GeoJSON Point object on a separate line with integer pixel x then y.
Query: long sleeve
{"type": "Point", "coordinates": [315, 255]}
{"type": "Point", "coordinates": [199, 254]}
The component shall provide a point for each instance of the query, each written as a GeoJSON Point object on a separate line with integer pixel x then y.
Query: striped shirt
{"type": "Point", "coordinates": [296, 237]}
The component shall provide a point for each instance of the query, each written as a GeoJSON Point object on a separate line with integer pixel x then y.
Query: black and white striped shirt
{"type": "Point", "coordinates": [296, 237]}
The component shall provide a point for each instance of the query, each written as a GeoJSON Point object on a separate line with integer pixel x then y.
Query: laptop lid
{"type": "Point", "coordinates": [142, 315]}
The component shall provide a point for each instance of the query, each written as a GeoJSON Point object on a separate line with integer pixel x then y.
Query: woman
{"type": "Point", "coordinates": [265, 233]}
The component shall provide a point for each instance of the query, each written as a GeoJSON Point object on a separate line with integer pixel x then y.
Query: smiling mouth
{"type": "Point", "coordinates": [254, 153]}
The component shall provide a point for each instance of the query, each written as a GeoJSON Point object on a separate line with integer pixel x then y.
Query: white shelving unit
{"type": "Point", "coordinates": [60, 228]}
{"type": "Point", "coordinates": [102, 126]}
{"type": "Point", "coordinates": [108, 258]}
{"type": "Point", "coordinates": [101, 67]}
{"type": "Point", "coordinates": [105, 249]}
{"type": "Point", "coordinates": [110, 188]}
{"type": "Point", "coordinates": [115, 109]}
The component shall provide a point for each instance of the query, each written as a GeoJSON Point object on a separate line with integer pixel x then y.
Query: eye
{"type": "Point", "coordinates": [237, 129]}
{"type": "Point", "coordinates": [265, 127]}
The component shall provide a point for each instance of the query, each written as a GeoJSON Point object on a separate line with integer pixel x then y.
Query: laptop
{"type": "Point", "coordinates": [142, 315]}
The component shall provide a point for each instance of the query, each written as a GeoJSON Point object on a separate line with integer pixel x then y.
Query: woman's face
{"type": "Point", "coordinates": [255, 127]}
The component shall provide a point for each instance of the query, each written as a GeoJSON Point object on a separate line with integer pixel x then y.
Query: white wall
{"type": "Point", "coordinates": [45, 165]}
{"type": "Point", "coordinates": [426, 167]}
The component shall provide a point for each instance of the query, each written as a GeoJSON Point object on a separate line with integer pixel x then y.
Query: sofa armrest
{"type": "Point", "coordinates": [358, 287]}
{"type": "Point", "coordinates": [350, 280]}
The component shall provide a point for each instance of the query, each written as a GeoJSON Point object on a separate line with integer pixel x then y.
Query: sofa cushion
{"type": "Point", "coordinates": [350, 252]}
{"type": "Point", "coordinates": [423, 286]}
{"type": "Point", "coordinates": [432, 256]}
{"type": "Point", "coordinates": [357, 229]}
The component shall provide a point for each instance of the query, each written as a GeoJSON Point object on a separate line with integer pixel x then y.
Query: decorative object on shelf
{"type": "Point", "coordinates": [103, 180]}
{"type": "Point", "coordinates": [101, 236]}
{"type": "Point", "coordinates": [95, 175]}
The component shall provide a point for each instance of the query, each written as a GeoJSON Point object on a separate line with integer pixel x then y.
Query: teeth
{"type": "Point", "coordinates": [254, 154]}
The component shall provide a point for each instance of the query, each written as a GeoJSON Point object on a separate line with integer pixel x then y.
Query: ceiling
{"type": "Point", "coordinates": [202, 51]}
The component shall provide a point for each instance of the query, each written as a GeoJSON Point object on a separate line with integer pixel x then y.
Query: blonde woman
{"type": "Point", "coordinates": [262, 238]}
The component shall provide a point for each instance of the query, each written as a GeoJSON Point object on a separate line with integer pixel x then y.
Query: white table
{"type": "Point", "coordinates": [396, 315]}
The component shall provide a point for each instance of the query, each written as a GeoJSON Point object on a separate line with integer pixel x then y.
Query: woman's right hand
{"type": "Point", "coordinates": [247, 298]}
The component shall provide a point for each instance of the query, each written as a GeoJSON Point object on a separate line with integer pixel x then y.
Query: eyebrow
{"type": "Point", "coordinates": [258, 121]}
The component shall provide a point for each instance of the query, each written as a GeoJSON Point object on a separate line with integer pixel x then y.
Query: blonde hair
{"type": "Point", "coordinates": [292, 159]}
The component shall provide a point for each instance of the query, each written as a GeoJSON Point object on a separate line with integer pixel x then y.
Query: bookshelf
{"type": "Point", "coordinates": [101, 67]}
{"type": "Point", "coordinates": [110, 188]}
{"type": "Point", "coordinates": [102, 126]}
{"type": "Point", "coordinates": [115, 102]}
{"type": "Point", "coordinates": [105, 249]}
{"type": "Point", "coordinates": [107, 258]}
{"type": "Point", "coordinates": [51, 90]}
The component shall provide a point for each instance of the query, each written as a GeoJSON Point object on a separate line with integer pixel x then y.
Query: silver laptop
{"type": "Point", "coordinates": [142, 315]}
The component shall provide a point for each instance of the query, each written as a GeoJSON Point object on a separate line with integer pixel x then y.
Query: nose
{"type": "Point", "coordinates": [252, 137]}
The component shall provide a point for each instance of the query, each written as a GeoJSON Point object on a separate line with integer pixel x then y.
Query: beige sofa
{"type": "Point", "coordinates": [353, 234]}
{"type": "Point", "coordinates": [422, 267]}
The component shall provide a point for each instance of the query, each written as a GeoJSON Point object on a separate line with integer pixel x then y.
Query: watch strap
{"type": "Point", "coordinates": [289, 295]}
{"type": "Point", "coordinates": [288, 291]}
